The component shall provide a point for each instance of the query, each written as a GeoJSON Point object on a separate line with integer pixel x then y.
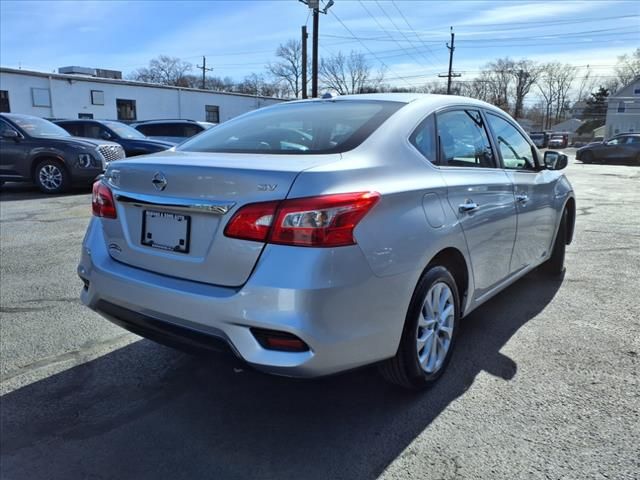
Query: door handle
{"type": "Point", "coordinates": [468, 206]}
{"type": "Point", "coordinates": [522, 197]}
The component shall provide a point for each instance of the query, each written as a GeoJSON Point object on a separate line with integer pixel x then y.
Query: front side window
{"type": "Point", "coordinates": [75, 129]}
{"type": "Point", "coordinates": [517, 153]}
{"type": "Point", "coordinates": [631, 140]}
{"type": "Point", "coordinates": [320, 127]}
{"type": "Point", "coordinates": [463, 140]}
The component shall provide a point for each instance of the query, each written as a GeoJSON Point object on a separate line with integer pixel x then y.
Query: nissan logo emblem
{"type": "Point", "coordinates": [159, 181]}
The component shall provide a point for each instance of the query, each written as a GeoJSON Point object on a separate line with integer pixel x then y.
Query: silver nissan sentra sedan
{"type": "Point", "coordinates": [318, 236]}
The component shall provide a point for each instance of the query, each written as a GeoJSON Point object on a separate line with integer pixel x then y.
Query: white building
{"type": "Point", "coordinates": [623, 110]}
{"type": "Point", "coordinates": [81, 95]}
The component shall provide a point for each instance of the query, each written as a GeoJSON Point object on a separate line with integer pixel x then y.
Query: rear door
{"type": "Point", "coordinates": [533, 190]}
{"type": "Point", "coordinates": [480, 194]}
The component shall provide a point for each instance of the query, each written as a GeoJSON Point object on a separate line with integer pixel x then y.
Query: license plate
{"type": "Point", "coordinates": [166, 231]}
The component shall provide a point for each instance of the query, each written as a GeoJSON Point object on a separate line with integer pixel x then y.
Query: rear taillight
{"type": "Point", "coordinates": [324, 221]}
{"type": "Point", "coordinates": [102, 203]}
{"type": "Point", "coordinates": [252, 222]}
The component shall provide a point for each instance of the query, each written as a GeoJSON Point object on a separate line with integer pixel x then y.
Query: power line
{"type": "Point", "coordinates": [360, 41]}
{"type": "Point", "coordinates": [412, 29]}
{"type": "Point", "coordinates": [385, 30]}
{"type": "Point", "coordinates": [400, 31]}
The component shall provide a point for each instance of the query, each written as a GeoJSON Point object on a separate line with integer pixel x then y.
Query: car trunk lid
{"type": "Point", "coordinates": [172, 209]}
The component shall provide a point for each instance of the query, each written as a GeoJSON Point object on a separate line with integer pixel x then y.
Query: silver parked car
{"type": "Point", "coordinates": [318, 236]}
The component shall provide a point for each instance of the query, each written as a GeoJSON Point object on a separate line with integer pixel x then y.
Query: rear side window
{"type": "Point", "coordinates": [331, 126]}
{"type": "Point", "coordinates": [463, 140]}
{"type": "Point", "coordinates": [517, 153]}
{"type": "Point", "coordinates": [424, 139]}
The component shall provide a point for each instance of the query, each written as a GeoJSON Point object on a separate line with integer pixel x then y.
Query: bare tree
{"type": "Point", "coordinates": [546, 87]}
{"type": "Point", "coordinates": [525, 73]}
{"type": "Point", "coordinates": [554, 84]}
{"type": "Point", "coordinates": [255, 84]}
{"type": "Point", "coordinates": [164, 70]}
{"type": "Point", "coordinates": [348, 74]}
{"type": "Point", "coordinates": [628, 68]}
{"type": "Point", "coordinates": [288, 70]}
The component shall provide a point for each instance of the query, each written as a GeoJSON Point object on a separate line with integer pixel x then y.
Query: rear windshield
{"type": "Point", "coordinates": [330, 126]}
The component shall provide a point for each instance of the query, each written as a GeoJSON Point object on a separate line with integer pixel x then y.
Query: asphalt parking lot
{"type": "Point", "coordinates": [544, 382]}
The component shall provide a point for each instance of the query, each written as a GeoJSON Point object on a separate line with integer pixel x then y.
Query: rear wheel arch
{"type": "Point", "coordinates": [40, 158]}
{"type": "Point", "coordinates": [453, 260]}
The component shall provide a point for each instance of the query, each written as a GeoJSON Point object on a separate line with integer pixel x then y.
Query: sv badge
{"type": "Point", "coordinates": [267, 187]}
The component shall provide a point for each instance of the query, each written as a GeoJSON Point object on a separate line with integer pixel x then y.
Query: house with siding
{"type": "Point", "coordinates": [623, 110]}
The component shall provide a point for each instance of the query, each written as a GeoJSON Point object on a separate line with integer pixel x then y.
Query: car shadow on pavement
{"type": "Point", "coordinates": [26, 191]}
{"type": "Point", "coordinates": [149, 412]}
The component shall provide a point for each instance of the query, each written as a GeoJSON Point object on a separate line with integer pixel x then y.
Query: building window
{"type": "Point", "coordinates": [86, 115]}
{"type": "Point", "coordinates": [4, 101]}
{"type": "Point", "coordinates": [126, 109]}
{"type": "Point", "coordinates": [212, 113]}
{"type": "Point", "coordinates": [97, 97]}
{"type": "Point", "coordinates": [636, 91]}
{"type": "Point", "coordinates": [41, 97]}
{"type": "Point", "coordinates": [621, 107]}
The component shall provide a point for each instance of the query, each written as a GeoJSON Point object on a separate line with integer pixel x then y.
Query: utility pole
{"type": "Point", "coordinates": [314, 53]}
{"type": "Point", "coordinates": [450, 75]}
{"type": "Point", "coordinates": [315, 6]}
{"type": "Point", "coordinates": [305, 35]}
{"type": "Point", "coordinates": [204, 69]}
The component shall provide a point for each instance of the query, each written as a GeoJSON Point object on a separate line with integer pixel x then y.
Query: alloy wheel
{"type": "Point", "coordinates": [435, 327]}
{"type": "Point", "coordinates": [50, 177]}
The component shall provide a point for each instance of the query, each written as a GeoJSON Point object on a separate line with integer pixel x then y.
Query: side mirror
{"type": "Point", "coordinates": [105, 136]}
{"type": "Point", "coordinates": [10, 133]}
{"type": "Point", "coordinates": [555, 160]}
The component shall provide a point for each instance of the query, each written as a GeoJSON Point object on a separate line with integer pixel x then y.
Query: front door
{"type": "Point", "coordinates": [12, 152]}
{"type": "Point", "coordinates": [480, 194]}
{"type": "Point", "coordinates": [533, 190]}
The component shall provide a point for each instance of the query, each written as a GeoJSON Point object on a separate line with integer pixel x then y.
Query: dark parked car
{"type": "Point", "coordinates": [33, 149]}
{"type": "Point", "coordinates": [174, 131]}
{"type": "Point", "coordinates": [133, 142]}
{"type": "Point", "coordinates": [624, 147]}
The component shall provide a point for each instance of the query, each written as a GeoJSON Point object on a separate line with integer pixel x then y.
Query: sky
{"type": "Point", "coordinates": [407, 39]}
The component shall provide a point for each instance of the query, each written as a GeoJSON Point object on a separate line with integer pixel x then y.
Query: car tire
{"type": "Point", "coordinates": [51, 176]}
{"type": "Point", "coordinates": [555, 265]}
{"type": "Point", "coordinates": [429, 333]}
{"type": "Point", "coordinates": [587, 157]}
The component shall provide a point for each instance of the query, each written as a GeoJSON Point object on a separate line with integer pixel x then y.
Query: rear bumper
{"type": "Point", "coordinates": [329, 298]}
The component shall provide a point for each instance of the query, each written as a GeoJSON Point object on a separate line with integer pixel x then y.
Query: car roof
{"type": "Point", "coordinates": [427, 100]}
{"type": "Point", "coordinates": [164, 120]}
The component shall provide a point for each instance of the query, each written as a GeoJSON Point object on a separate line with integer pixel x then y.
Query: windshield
{"type": "Point", "coordinates": [38, 127]}
{"type": "Point", "coordinates": [331, 126]}
{"type": "Point", "coordinates": [124, 131]}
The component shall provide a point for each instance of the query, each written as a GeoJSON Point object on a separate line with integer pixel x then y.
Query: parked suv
{"type": "Point", "coordinates": [175, 131]}
{"type": "Point", "coordinates": [363, 239]}
{"type": "Point", "coordinates": [133, 142]}
{"type": "Point", "coordinates": [34, 149]}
